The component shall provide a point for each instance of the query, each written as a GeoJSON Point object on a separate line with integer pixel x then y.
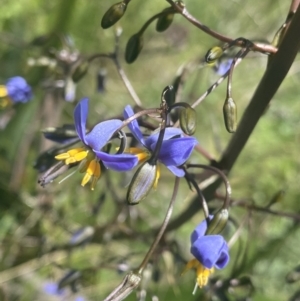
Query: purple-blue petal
{"type": "Point", "coordinates": [211, 251]}
{"type": "Point", "coordinates": [80, 117]}
{"type": "Point", "coordinates": [133, 125]}
{"type": "Point", "coordinates": [18, 90]}
{"type": "Point", "coordinates": [178, 172]}
{"type": "Point", "coordinates": [51, 288]}
{"type": "Point", "coordinates": [176, 151]}
{"type": "Point", "coordinates": [169, 133]}
{"type": "Point", "coordinates": [223, 66]}
{"type": "Point", "coordinates": [200, 230]}
{"type": "Point", "coordinates": [121, 162]}
{"type": "Point", "coordinates": [101, 133]}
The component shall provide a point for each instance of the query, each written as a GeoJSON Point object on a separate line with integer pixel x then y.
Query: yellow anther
{"type": "Point", "coordinates": [201, 271]}
{"type": "Point", "coordinates": [74, 151]}
{"type": "Point", "coordinates": [92, 171]}
{"type": "Point", "coordinates": [62, 156]}
{"type": "Point", "coordinates": [202, 275]}
{"type": "Point", "coordinates": [3, 91]}
{"type": "Point", "coordinates": [73, 155]}
{"type": "Point", "coordinates": [194, 263]}
{"type": "Point", "coordinates": [141, 154]}
{"type": "Point", "coordinates": [85, 179]}
{"type": "Point", "coordinates": [157, 176]}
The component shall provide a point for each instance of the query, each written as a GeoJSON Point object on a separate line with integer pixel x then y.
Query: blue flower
{"type": "Point", "coordinates": [15, 90]}
{"type": "Point", "coordinates": [52, 289]}
{"type": "Point", "coordinates": [210, 251]}
{"type": "Point", "coordinates": [94, 141]}
{"type": "Point", "coordinates": [175, 149]}
{"type": "Point", "coordinates": [221, 67]}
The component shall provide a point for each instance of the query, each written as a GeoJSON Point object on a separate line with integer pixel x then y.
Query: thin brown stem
{"type": "Point", "coordinates": [264, 48]}
{"type": "Point", "coordinates": [162, 228]}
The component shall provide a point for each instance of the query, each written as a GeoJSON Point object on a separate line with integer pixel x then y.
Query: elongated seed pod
{"type": "Point", "coordinates": [230, 115]}
{"type": "Point", "coordinates": [218, 223]}
{"type": "Point", "coordinates": [188, 120]}
{"type": "Point", "coordinates": [164, 22]}
{"type": "Point", "coordinates": [141, 183]}
{"type": "Point", "coordinates": [133, 48]}
{"type": "Point", "coordinates": [113, 14]}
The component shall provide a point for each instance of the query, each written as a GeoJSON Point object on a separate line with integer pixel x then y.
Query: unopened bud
{"type": "Point", "coordinates": [218, 222]}
{"type": "Point", "coordinates": [141, 183]}
{"type": "Point", "coordinates": [133, 48]}
{"type": "Point", "coordinates": [164, 21]}
{"type": "Point", "coordinates": [168, 95]}
{"type": "Point", "coordinates": [113, 14]}
{"type": "Point", "coordinates": [213, 55]}
{"type": "Point", "coordinates": [230, 115]}
{"type": "Point", "coordinates": [80, 71]}
{"type": "Point", "coordinates": [188, 120]}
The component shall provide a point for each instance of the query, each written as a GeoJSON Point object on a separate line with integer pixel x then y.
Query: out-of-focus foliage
{"type": "Point", "coordinates": [37, 224]}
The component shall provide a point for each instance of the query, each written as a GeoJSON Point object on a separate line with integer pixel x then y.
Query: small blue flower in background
{"type": "Point", "coordinates": [221, 67]}
{"type": "Point", "coordinates": [15, 90]}
{"type": "Point", "coordinates": [175, 149]}
{"type": "Point", "coordinates": [52, 289]}
{"type": "Point", "coordinates": [210, 251]}
{"type": "Point", "coordinates": [94, 141]}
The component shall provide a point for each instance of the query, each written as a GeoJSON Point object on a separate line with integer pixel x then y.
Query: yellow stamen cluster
{"type": "Point", "coordinates": [73, 155]}
{"type": "Point", "coordinates": [89, 164]}
{"type": "Point", "coordinates": [141, 154]}
{"type": "Point", "coordinates": [201, 271]}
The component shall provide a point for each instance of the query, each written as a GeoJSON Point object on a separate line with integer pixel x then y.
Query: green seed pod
{"type": "Point", "coordinates": [164, 21]}
{"type": "Point", "coordinates": [213, 55]}
{"type": "Point", "coordinates": [141, 183]}
{"type": "Point", "coordinates": [218, 223]}
{"type": "Point", "coordinates": [133, 48]}
{"type": "Point", "coordinates": [188, 120]}
{"type": "Point", "coordinates": [113, 14]}
{"type": "Point", "coordinates": [230, 115]}
{"type": "Point", "coordinates": [80, 71]}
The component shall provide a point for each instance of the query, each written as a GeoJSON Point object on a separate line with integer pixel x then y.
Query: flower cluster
{"type": "Point", "coordinates": [15, 90]}
{"type": "Point", "coordinates": [90, 155]}
{"type": "Point", "coordinates": [210, 251]}
{"type": "Point", "coordinates": [175, 148]}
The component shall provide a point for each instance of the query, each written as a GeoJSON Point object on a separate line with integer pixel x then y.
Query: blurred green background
{"type": "Point", "coordinates": [36, 223]}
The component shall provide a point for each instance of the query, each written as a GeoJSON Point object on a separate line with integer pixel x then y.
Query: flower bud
{"type": "Point", "coordinates": [164, 21]}
{"type": "Point", "coordinates": [188, 120]}
{"type": "Point", "coordinates": [141, 183]}
{"type": "Point", "coordinates": [218, 223]}
{"type": "Point", "coordinates": [113, 14]}
{"type": "Point", "coordinates": [213, 55]}
{"type": "Point", "coordinates": [168, 95]}
{"type": "Point", "coordinates": [80, 71]}
{"type": "Point", "coordinates": [230, 115]}
{"type": "Point", "coordinates": [133, 48]}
